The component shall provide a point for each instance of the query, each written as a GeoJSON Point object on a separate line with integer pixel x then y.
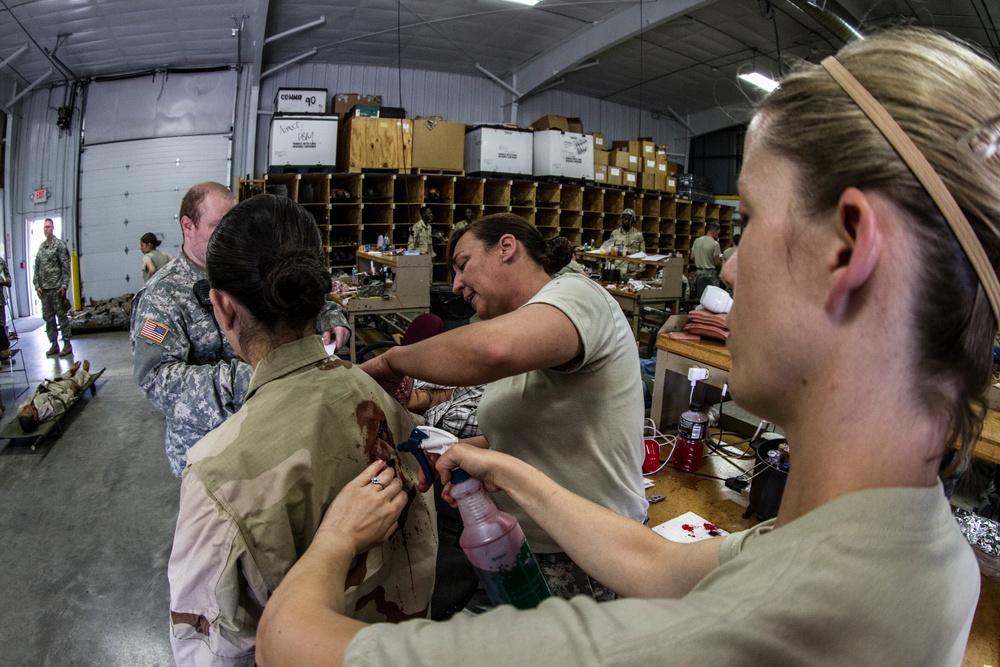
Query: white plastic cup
{"type": "Point", "coordinates": [716, 299]}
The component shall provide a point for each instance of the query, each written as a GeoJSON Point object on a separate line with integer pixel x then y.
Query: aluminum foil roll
{"type": "Point", "coordinates": [984, 536]}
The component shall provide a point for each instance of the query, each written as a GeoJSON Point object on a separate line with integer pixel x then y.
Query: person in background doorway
{"type": "Point", "coordinates": [51, 279]}
{"type": "Point", "coordinates": [152, 259]}
{"type": "Point", "coordinates": [707, 259]}
{"type": "Point", "coordinates": [470, 216]}
{"type": "Point", "coordinates": [629, 241]}
{"type": "Point", "coordinates": [864, 563]}
{"type": "Point", "coordinates": [182, 361]}
{"type": "Point", "coordinates": [420, 233]}
{"type": "Point", "coordinates": [4, 286]}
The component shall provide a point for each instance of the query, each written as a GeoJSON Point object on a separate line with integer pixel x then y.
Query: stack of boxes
{"type": "Point", "coordinates": [302, 137]}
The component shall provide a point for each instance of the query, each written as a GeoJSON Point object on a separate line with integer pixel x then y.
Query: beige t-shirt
{"type": "Point", "coordinates": [704, 250]}
{"type": "Point", "coordinates": [580, 425]}
{"type": "Point", "coordinates": [877, 577]}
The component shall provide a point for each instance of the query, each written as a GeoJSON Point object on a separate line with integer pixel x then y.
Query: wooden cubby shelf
{"type": "Point", "coordinates": [353, 209]}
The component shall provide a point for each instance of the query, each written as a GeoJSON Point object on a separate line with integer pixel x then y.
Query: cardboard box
{"type": "Point", "coordinates": [375, 143]}
{"type": "Point", "coordinates": [493, 150]}
{"type": "Point", "coordinates": [649, 165]}
{"type": "Point", "coordinates": [600, 174]}
{"type": "Point", "coordinates": [624, 160]}
{"type": "Point", "coordinates": [300, 100]}
{"type": "Point", "coordinates": [303, 141]}
{"type": "Point", "coordinates": [600, 141]}
{"type": "Point", "coordinates": [661, 168]}
{"type": "Point", "coordinates": [666, 183]}
{"type": "Point", "coordinates": [647, 149]}
{"type": "Point", "coordinates": [344, 102]}
{"type": "Point", "coordinates": [438, 145]}
{"type": "Point", "coordinates": [630, 179]}
{"type": "Point", "coordinates": [565, 154]}
{"type": "Point", "coordinates": [614, 175]}
{"type": "Point", "coordinates": [600, 157]}
{"type": "Point", "coordinates": [647, 180]}
{"type": "Point", "coordinates": [631, 147]}
{"type": "Point", "coordinates": [661, 152]}
{"type": "Point", "coordinates": [554, 122]}
{"type": "Point", "coordinates": [673, 168]}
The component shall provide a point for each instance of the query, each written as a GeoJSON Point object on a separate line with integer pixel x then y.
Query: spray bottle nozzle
{"type": "Point", "coordinates": [425, 440]}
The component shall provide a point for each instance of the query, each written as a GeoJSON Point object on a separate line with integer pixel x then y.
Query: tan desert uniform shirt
{"type": "Point", "coordinates": [57, 394]}
{"type": "Point", "coordinates": [255, 489]}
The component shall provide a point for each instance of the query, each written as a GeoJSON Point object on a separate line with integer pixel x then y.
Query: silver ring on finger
{"type": "Point", "coordinates": [376, 481]}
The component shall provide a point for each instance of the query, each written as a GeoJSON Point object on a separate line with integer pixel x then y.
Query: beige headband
{"type": "Point", "coordinates": [928, 178]}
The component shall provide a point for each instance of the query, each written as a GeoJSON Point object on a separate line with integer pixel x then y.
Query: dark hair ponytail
{"type": "Point", "coordinates": [150, 239]}
{"type": "Point", "coordinates": [267, 254]}
{"type": "Point", "coordinates": [550, 255]}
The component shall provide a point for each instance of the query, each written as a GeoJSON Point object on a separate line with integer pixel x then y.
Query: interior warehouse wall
{"type": "Point", "coordinates": [40, 155]}
{"type": "Point", "coordinates": [459, 98]}
{"type": "Point", "coordinates": [108, 114]}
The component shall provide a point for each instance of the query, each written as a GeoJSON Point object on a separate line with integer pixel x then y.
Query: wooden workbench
{"type": "Point", "coordinates": [711, 500]}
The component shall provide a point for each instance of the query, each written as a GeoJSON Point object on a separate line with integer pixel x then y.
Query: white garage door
{"type": "Point", "coordinates": [129, 188]}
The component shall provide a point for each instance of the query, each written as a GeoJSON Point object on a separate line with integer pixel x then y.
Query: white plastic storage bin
{"type": "Point", "coordinates": [563, 154]}
{"type": "Point", "coordinates": [493, 150]}
{"type": "Point", "coordinates": [300, 100]}
{"type": "Point", "coordinates": [303, 141]}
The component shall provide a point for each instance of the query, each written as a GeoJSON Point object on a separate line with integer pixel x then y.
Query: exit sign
{"type": "Point", "coordinates": [39, 195]}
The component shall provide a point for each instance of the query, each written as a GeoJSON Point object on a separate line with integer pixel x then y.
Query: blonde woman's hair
{"type": "Point", "coordinates": [938, 90]}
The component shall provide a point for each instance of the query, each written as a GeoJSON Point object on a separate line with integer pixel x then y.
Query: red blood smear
{"type": "Point", "coordinates": [710, 526]}
{"type": "Point", "coordinates": [688, 527]}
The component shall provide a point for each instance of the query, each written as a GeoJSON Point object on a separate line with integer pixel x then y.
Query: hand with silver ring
{"type": "Point", "coordinates": [362, 519]}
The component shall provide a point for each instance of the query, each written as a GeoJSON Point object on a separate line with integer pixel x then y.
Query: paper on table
{"type": "Point", "coordinates": [655, 258]}
{"type": "Point", "coordinates": [637, 255]}
{"type": "Point", "coordinates": [646, 483]}
{"type": "Point", "coordinates": [688, 527]}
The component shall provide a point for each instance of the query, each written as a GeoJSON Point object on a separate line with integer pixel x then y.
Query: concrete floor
{"type": "Point", "coordinates": [87, 519]}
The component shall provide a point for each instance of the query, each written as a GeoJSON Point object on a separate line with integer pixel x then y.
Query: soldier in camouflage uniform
{"type": "Point", "coordinates": [182, 361]}
{"type": "Point", "coordinates": [51, 279]}
{"type": "Point", "coordinates": [255, 488]}
{"type": "Point", "coordinates": [4, 284]}
{"type": "Point", "coordinates": [630, 239]}
{"type": "Point", "coordinates": [420, 233]}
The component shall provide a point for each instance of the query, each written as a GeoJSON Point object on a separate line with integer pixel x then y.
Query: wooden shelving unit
{"type": "Point", "coordinates": [356, 208]}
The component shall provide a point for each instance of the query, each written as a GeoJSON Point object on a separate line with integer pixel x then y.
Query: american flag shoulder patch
{"type": "Point", "coordinates": [154, 331]}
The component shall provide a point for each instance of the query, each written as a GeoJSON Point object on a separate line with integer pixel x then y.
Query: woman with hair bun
{"type": "Point", "coordinates": [563, 373]}
{"type": "Point", "coordinates": [152, 259]}
{"type": "Point", "coordinates": [255, 488]}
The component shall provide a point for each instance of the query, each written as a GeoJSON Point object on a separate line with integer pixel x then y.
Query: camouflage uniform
{"type": "Point", "coordinates": [4, 283]}
{"type": "Point", "coordinates": [420, 238]}
{"type": "Point", "coordinates": [52, 273]}
{"type": "Point", "coordinates": [53, 396]}
{"type": "Point", "coordinates": [633, 242]}
{"type": "Point", "coordinates": [255, 490]}
{"type": "Point", "coordinates": [182, 360]}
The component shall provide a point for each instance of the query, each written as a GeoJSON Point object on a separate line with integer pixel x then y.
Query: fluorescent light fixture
{"type": "Point", "coordinates": [530, 3]}
{"type": "Point", "coordinates": [757, 79]}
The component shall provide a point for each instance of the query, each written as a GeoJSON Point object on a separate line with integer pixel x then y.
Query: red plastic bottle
{"type": "Point", "coordinates": [690, 447]}
{"type": "Point", "coordinates": [495, 545]}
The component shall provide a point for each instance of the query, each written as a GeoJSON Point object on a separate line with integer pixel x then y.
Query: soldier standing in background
{"type": "Point", "coordinates": [51, 280]}
{"type": "Point", "coordinates": [4, 284]}
{"type": "Point", "coordinates": [420, 233]}
{"type": "Point", "coordinates": [630, 241]}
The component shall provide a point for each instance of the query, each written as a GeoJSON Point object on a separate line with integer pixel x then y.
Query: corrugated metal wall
{"type": "Point", "coordinates": [40, 156]}
{"type": "Point", "coordinates": [461, 98]}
